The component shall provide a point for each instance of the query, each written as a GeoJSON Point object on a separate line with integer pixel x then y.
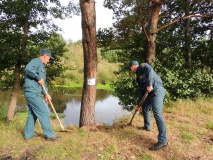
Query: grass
{"type": "Point", "coordinates": [189, 132]}
{"type": "Point", "coordinates": [73, 59]}
{"type": "Point", "coordinates": [106, 87]}
{"type": "Point", "coordinates": [187, 137]}
{"type": "Point", "coordinates": [23, 115]}
{"type": "Point", "coordinates": [53, 116]}
{"type": "Point", "coordinates": [209, 125]}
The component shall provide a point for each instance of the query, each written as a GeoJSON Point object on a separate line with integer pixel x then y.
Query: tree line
{"type": "Point", "coordinates": [25, 28]}
{"type": "Point", "coordinates": [175, 37]}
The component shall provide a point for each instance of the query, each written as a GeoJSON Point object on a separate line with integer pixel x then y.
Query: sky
{"type": "Point", "coordinates": [71, 27]}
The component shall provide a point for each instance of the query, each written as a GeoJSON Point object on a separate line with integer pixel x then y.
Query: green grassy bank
{"type": "Point", "coordinates": [189, 131]}
{"type": "Point", "coordinates": [106, 87]}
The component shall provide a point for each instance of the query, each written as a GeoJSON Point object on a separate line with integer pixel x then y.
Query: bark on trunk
{"type": "Point", "coordinates": [154, 10]}
{"type": "Point", "coordinates": [17, 72]}
{"type": "Point", "coordinates": [87, 114]}
{"type": "Point", "coordinates": [14, 94]}
{"type": "Point", "coordinates": [188, 51]}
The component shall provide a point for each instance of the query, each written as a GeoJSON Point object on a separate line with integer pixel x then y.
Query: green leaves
{"type": "Point", "coordinates": [126, 89]}
{"type": "Point", "coordinates": [25, 28]}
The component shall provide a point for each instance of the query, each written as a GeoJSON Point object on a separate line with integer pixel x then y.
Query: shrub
{"type": "Point", "coordinates": [3, 111]}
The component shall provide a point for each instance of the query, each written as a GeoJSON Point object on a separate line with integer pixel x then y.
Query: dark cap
{"type": "Point", "coordinates": [45, 51]}
{"type": "Point", "coordinates": [133, 63]}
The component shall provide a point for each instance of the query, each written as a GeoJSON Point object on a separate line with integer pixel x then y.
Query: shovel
{"type": "Point", "coordinates": [140, 104]}
{"type": "Point", "coordinates": [53, 108]}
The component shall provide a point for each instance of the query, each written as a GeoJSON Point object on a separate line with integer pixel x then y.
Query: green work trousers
{"type": "Point", "coordinates": [37, 110]}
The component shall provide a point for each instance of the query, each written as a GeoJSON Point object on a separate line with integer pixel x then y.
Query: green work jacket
{"type": "Point", "coordinates": [34, 71]}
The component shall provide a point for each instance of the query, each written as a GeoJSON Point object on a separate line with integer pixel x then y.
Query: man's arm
{"type": "Point", "coordinates": [149, 72]}
{"type": "Point", "coordinates": [31, 71]}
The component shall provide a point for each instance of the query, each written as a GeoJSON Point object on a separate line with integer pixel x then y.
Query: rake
{"type": "Point", "coordinates": [140, 104]}
{"type": "Point", "coordinates": [53, 108]}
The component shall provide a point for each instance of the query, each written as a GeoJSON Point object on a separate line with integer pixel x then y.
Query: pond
{"type": "Point", "coordinates": [68, 102]}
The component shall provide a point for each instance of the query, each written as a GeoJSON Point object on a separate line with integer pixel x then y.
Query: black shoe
{"type": "Point", "coordinates": [158, 146]}
{"type": "Point", "coordinates": [54, 138]}
{"type": "Point", "coordinates": [144, 128]}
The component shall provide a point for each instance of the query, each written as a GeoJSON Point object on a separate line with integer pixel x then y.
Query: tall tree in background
{"type": "Point", "coordinates": [141, 14]}
{"type": "Point", "coordinates": [88, 24]}
{"type": "Point", "coordinates": [24, 28]}
{"type": "Point", "coordinates": [154, 8]}
{"type": "Point", "coordinates": [188, 50]}
{"type": "Point", "coordinates": [175, 37]}
{"type": "Point", "coordinates": [134, 17]}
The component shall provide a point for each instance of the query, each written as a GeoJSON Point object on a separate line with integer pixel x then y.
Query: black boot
{"type": "Point", "coordinates": [158, 146]}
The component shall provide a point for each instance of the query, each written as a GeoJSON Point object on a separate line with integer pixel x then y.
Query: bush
{"type": "Point", "coordinates": [184, 83]}
{"type": "Point", "coordinates": [179, 83]}
{"type": "Point", "coordinates": [3, 111]}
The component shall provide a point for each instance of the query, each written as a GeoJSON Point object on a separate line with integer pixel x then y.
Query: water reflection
{"type": "Point", "coordinates": [107, 111]}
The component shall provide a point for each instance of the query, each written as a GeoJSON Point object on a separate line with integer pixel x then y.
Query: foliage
{"type": "Point", "coordinates": [126, 42]}
{"type": "Point", "coordinates": [125, 90]}
{"type": "Point", "coordinates": [57, 45]}
{"type": "Point", "coordinates": [25, 27]}
{"type": "Point", "coordinates": [181, 82]}
{"type": "Point", "coordinates": [73, 62]}
{"type": "Point", "coordinates": [3, 111]}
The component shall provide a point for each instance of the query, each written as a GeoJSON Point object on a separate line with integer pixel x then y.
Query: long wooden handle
{"type": "Point", "coordinates": [130, 123]}
{"type": "Point", "coordinates": [143, 99]}
{"type": "Point", "coordinates": [53, 108]}
{"type": "Point", "coordinates": [140, 104]}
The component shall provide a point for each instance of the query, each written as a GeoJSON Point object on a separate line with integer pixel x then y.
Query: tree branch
{"type": "Point", "coordinates": [144, 31]}
{"type": "Point", "coordinates": [189, 16]}
{"type": "Point", "coordinates": [142, 24]}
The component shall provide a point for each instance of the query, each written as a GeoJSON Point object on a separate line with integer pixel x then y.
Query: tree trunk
{"type": "Point", "coordinates": [14, 94]}
{"type": "Point", "coordinates": [188, 51]}
{"type": "Point", "coordinates": [154, 10]}
{"type": "Point", "coordinates": [211, 40]}
{"type": "Point", "coordinates": [17, 72]}
{"type": "Point", "coordinates": [87, 114]}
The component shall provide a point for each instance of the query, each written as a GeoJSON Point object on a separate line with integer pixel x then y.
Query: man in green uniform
{"type": "Point", "coordinates": [35, 77]}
